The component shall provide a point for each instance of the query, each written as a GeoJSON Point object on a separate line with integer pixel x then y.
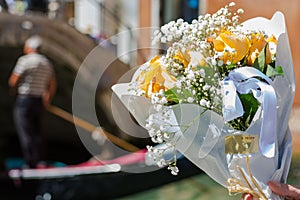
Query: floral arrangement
{"type": "Point", "coordinates": [216, 96]}
{"type": "Point", "coordinates": [200, 56]}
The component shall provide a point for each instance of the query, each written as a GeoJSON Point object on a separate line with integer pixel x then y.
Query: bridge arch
{"type": "Point", "coordinates": [68, 49]}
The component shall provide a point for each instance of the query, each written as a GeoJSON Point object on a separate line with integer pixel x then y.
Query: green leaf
{"type": "Point", "coordinates": [171, 95]}
{"type": "Point", "coordinates": [174, 96]}
{"type": "Point", "coordinates": [250, 105]}
{"type": "Point", "coordinates": [209, 74]}
{"type": "Point", "coordinates": [260, 61]}
{"type": "Point", "coordinates": [277, 71]}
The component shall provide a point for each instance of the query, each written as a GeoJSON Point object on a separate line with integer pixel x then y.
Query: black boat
{"type": "Point", "coordinates": [110, 182]}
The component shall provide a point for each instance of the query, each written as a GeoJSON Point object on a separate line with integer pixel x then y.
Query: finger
{"type": "Point", "coordinates": [278, 188]}
{"type": "Point", "coordinates": [288, 191]}
{"type": "Point", "coordinates": [294, 192]}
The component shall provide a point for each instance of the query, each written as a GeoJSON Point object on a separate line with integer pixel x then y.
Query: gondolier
{"type": "Point", "coordinates": [34, 80]}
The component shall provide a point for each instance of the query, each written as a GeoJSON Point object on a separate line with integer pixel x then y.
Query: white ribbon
{"type": "Point", "coordinates": [242, 80]}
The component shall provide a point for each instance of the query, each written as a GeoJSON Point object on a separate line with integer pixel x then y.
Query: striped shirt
{"type": "Point", "coordinates": [35, 71]}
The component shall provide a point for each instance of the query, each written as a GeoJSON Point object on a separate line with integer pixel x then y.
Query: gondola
{"type": "Point", "coordinates": [106, 180]}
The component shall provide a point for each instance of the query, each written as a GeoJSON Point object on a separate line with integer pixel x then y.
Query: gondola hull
{"type": "Point", "coordinates": [102, 185]}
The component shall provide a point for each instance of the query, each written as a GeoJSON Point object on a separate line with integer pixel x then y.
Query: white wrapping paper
{"type": "Point", "coordinates": [203, 142]}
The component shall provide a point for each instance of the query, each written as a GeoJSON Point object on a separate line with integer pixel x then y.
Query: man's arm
{"type": "Point", "coordinates": [13, 80]}
{"type": "Point", "coordinates": [47, 97]}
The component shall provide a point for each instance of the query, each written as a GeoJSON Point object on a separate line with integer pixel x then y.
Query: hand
{"type": "Point", "coordinates": [289, 192]}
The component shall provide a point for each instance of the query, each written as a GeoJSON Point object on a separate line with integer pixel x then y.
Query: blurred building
{"type": "Point", "coordinates": [126, 27]}
{"type": "Point", "coordinates": [123, 26]}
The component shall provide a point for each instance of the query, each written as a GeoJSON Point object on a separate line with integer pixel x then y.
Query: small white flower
{"type": "Point", "coordinates": [152, 132]}
{"type": "Point", "coordinates": [149, 123]}
{"type": "Point", "coordinates": [231, 4]}
{"type": "Point", "coordinates": [190, 99]}
{"type": "Point", "coordinates": [166, 135]}
{"type": "Point", "coordinates": [213, 62]}
{"type": "Point", "coordinates": [202, 72]}
{"type": "Point", "coordinates": [158, 133]}
{"type": "Point", "coordinates": [159, 140]}
{"type": "Point", "coordinates": [174, 170]}
{"type": "Point", "coordinates": [202, 102]}
{"type": "Point", "coordinates": [191, 75]}
{"type": "Point", "coordinates": [161, 92]}
{"type": "Point", "coordinates": [206, 87]}
{"type": "Point", "coordinates": [170, 38]}
{"type": "Point", "coordinates": [207, 104]}
{"type": "Point", "coordinates": [153, 139]}
{"type": "Point", "coordinates": [220, 63]}
{"type": "Point", "coordinates": [188, 83]}
{"type": "Point", "coordinates": [164, 100]}
{"type": "Point", "coordinates": [162, 128]}
{"type": "Point", "coordinates": [163, 39]}
{"type": "Point", "coordinates": [180, 21]}
{"type": "Point", "coordinates": [158, 107]}
{"type": "Point", "coordinates": [178, 84]}
{"type": "Point", "coordinates": [161, 163]}
{"type": "Point", "coordinates": [149, 148]}
{"type": "Point", "coordinates": [240, 11]}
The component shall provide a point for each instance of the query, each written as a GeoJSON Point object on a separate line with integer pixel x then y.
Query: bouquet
{"type": "Point", "coordinates": [221, 96]}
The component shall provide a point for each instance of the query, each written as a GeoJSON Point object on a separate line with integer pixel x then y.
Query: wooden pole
{"type": "Point", "coordinates": [91, 128]}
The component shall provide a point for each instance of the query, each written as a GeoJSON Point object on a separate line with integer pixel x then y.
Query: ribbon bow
{"type": "Point", "coordinates": [243, 80]}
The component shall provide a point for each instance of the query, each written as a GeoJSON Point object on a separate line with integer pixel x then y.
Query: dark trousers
{"type": "Point", "coordinates": [28, 118]}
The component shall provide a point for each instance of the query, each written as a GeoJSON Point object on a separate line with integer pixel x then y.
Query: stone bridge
{"type": "Point", "coordinates": [70, 51]}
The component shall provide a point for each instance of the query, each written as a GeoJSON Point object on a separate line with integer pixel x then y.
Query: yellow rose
{"type": "Point", "coordinates": [197, 59]}
{"type": "Point", "coordinates": [156, 78]}
{"type": "Point", "coordinates": [269, 53]}
{"type": "Point", "coordinates": [190, 57]}
{"type": "Point", "coordinates": [240, 43]}
{"type": "Point", "coordinates": [184, 58]}
{"type": "Point", "coordinates": [258, 42]}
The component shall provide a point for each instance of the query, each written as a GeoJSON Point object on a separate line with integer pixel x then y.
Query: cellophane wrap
{"type": "Point", "coordinates": [203, 141]}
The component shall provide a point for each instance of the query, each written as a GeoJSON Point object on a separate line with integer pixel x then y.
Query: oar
{"type": "Point", "coordinates": [91, 128]}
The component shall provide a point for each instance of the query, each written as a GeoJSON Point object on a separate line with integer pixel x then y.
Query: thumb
{"type": "Point", "coordinates": [284, 190]}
